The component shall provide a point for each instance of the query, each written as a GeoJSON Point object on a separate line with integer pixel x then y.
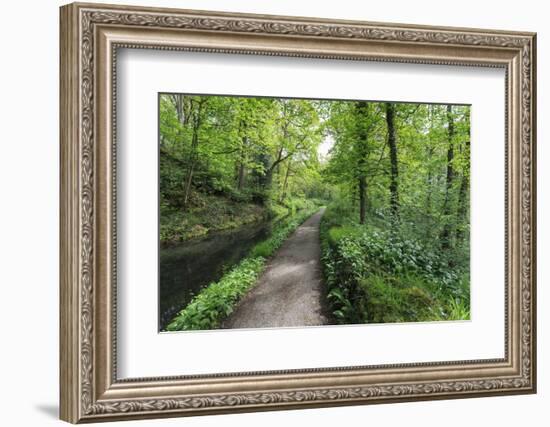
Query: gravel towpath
{"type": "Point", "coordinates": [290, 291]}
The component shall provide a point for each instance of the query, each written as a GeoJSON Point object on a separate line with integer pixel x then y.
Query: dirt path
{"type": "Point", "coordinates": [290, 291]}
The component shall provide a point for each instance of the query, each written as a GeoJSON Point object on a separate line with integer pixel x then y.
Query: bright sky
{"type": "Point", "coordinates": [325, 147]}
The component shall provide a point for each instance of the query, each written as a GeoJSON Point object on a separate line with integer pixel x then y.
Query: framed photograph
{"type": "Point", "coordinates": [266, 212]}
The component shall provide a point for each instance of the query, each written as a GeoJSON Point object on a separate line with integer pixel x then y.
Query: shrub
{"type": "Point", "coordinates": [335, 234]}
{"type": "Point", "coordinates": [383, 276]}
{"type": "Point", "coordinates": [458, 309]}
{"type": "Point", "coordinates": [239, 196]}
{"type": "Point", "coordinates": [263, 249]}
{"type": "Point", "coordinates": [217, 300]}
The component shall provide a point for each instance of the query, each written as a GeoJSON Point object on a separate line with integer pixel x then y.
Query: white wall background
{"type": "Point", "coordinates": [29, 171]}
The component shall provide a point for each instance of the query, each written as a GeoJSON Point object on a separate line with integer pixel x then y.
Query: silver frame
{"type": "Point", "coordinates": [90, 37]}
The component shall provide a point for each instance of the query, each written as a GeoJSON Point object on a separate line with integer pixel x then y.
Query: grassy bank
{"type": "Point", "coordinates": [215, 302]}
{"type": "Point", "coordinates": [208, 213]}
{"type": "Point", "coordinates": [377, 274]}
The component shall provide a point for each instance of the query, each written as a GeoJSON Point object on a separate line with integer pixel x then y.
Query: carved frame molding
{"type": "Point", "coordinates": [90, 37]}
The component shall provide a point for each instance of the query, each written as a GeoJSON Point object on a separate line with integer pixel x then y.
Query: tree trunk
{"type": "Point", "coordinates": [285, 184]}
{"type": "Point", "coordinates": [446, 232]}
{"type": "Point", "coordinates": [188, 184]}
{"type": "Point", "coordinates": [241, 174]}
{"type": "Point", "coordinates": [268, 180]}
{"type": "Point", "coordinates": [429, 224]}
{"type": "Point", "coordinates": [462, 202]}
{"type": "Point", "coordinates": [362, 199]}
{"type": "Point", "coordinates": [178, 101]}
{"type": "Point", "coordinates": [362, 136]}
{"type": "Point", "coordinates": [392, 142]}
{"type": "Point", "coordinates": [191, 170]}
{"type": "Point", "coordinates": [429, 184]}
{"type": "Point", "coordinates": [193, 155]}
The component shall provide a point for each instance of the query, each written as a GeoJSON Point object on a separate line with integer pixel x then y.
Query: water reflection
{"type": "Point", "coordinates": [188, 267]}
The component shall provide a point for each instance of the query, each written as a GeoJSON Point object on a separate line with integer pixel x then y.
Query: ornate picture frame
{"type": "Point", "coordinates": [90, 37]}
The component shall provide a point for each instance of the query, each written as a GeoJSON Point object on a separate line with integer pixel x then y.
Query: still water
{"type": "Point", "coordinates": [188, 267]}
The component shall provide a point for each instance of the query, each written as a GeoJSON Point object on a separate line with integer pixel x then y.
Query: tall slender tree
{"type": "Point", "coordinates": [394, 169]}
{"type": "Point", "coordinates": [447, 208]}
{"type": "Point", "coordinates": [197, 111]}
{"type": "Point", "coordinates": [362, 113]}
{"type": "Point", "coordinates": [462, 208]}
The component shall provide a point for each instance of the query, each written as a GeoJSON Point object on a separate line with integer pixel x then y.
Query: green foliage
{"type": "Point", "coordinates": [378, 275]}
{"type": "Point", "coordinates": [263, 249]}
{"type": "Point", "coordinates": [389, 298]}
{"type": "Point", "coordinates": [280, 233]}
{"type": "Point", "coordinates": [458, 309]}
{"type": "Point", "coordinates": [217, 300]}
{"type": "Point", "coordinates": [395, 236]}
{"type": "Point", "coordinates": [226, 161]}
{"type": "Point", "coordinates": [336, 234]}
{"type": "Point", "coordinates": [208, 213]}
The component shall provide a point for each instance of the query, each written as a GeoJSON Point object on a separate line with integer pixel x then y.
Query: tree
{"type": "Point", "coordinates": [362, 155]}
{"type": "Point", "coordinates": [462, 208]}
{"type": "Point", "coordinates": [404, 164]}
{"type": "Point", "coordinates": [297, 134]}
{"type": "Point", "coordinates": [358, 151]}
{"type": "Point", "coordinates": [392, 143]}
{"type": "Point", "coordinates": [447, 208]}
{"type": "Point", "coordinates": [196, 111]}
